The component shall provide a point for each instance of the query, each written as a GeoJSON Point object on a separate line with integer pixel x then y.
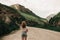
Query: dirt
{"type": "Point", "coordinates": [34, 34]}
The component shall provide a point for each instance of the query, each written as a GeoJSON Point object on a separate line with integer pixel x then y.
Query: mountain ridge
{"type": "Point", "coordinates": [28, 13]}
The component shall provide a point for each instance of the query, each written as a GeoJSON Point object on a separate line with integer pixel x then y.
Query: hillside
{"type": "Point", "coordinates": [11, 18]}
{"type": "Point", "coordinates": [55, 20]}
{"type": "Point", "coordinates": [10, 12]}
{"type": "Point", "coordinates": [31, 18]}
{"type": "Point", "coordinates": [23, 9]}
{"type": "Point", "coordinates": [8, 19]}
{"type": "Point", "coordinates": [35, 34]}
{"type": "Point", "coordinates": [50, 16]}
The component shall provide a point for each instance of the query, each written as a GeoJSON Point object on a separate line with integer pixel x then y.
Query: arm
{"type": "Point", "coordinates": [26, 30]}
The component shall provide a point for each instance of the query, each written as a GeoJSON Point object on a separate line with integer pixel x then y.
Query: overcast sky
{"type": "Point", "coordinates": [42, 8]}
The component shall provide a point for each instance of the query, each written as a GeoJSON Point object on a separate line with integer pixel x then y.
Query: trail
{"type": "Point", "coordinates": [35, 34]}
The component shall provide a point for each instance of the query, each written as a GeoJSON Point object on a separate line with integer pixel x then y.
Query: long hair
{"type": "Point", "coordinates": [23, 24]}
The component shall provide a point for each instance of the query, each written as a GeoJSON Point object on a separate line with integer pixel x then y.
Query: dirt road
{"type": "Point", "coordinates": [35, 34]}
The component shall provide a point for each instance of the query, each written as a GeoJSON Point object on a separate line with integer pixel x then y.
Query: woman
{"type": "Point", "coordinates": [24, 30]}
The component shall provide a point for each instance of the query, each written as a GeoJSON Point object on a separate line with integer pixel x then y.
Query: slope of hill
{"type": "Point", "coordinates": [50, 16]}
{"type": "Point", "coordinates": [8, 19]}
{"type": "Point", "coordinates": [55, 20]}
{"type": "Point", "coordinates": [35, 34]}
{"type": "Point", "coordinates": [23, 9]}
{"type": "Point", "coordinates": [31, 18]}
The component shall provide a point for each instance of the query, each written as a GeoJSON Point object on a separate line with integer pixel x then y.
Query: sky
{"type": "Point", "coordinates": [42, 8]}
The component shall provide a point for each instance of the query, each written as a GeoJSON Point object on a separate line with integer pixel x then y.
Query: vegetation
{"type": "Point", "coordinates": [9, 20]}
{"type": "Point", "coordinates": [31, 18]}
{"type": "Point", "coordinates": [34, 20]}
{"type": "Point", "coordinates": [55, 22]}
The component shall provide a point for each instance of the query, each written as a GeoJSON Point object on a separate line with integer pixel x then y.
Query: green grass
{"type": "Point", "coordinates": [30, 17]}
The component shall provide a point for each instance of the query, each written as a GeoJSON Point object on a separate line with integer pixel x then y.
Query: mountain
{"type": "Point", "coordinates": [9, 19]}
{"type": "Point", "coordinates": [31, 18]}
{"type": "Point", "coordinates": [50, 16]}
{"type": "Point", "coordinates": [23, 9]}
{"type": "Point", "coordinates": [55, 20]}
{"type": "Point", "coordinates": [12, 16]}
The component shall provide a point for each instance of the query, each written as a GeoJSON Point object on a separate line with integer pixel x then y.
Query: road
{"type": "Point", "coordinates": [34, 34]}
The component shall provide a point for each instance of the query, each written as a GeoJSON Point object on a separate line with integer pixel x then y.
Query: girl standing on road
{"type": "Point", "coordinates": [24, 30]}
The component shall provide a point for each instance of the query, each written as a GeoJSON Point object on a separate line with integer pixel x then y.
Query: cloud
{"type": "Point", "coordinates": [41, 8]}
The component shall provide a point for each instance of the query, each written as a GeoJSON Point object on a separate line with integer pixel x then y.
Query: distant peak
{"type": "Point", "coordinates": [17, 5]}
{"type": "Point", "coordinates": [50, 16]}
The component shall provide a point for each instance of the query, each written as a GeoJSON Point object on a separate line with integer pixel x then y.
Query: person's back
{"type": "Point", "coordinates": [24, 30]}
